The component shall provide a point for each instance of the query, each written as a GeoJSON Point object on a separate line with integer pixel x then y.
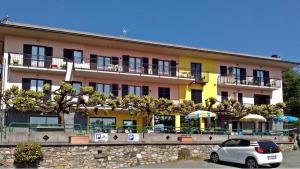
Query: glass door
{"type": "Point", "coordinates": [38, 56]}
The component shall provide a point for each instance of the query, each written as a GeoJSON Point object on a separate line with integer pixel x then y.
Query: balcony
{"type": "Point", "coordinates": [249, 82]}
{"type": "Point", "coordinates": [48, 65]}
{"type": "Point", "coordinates": [114, 70]}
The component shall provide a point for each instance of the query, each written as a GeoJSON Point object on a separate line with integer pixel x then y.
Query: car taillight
{"type": "Point", "coordinates": [259, 150]}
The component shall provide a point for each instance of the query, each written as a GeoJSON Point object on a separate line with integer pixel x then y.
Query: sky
{"type": "Point", "coordinates": [247, 26]}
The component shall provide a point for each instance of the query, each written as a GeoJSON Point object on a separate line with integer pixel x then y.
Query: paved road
{"type": "Point", "coordinates": [290, 160]}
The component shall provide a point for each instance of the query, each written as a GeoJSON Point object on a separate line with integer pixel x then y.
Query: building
{"type": "Point", "coordinates": [34, 55]}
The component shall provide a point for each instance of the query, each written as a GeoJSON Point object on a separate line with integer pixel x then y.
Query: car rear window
{"type": "Point", "coordinates": [268, 146]}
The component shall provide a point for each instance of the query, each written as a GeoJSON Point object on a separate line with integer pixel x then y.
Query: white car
{"type": "Point", "coordinates": [248, 152]}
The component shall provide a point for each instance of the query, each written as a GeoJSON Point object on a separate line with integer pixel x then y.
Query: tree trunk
{"type": "Point", "coordinates": [149, 119]}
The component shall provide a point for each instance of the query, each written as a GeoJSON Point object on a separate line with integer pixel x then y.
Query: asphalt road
{"type": "Point", "coordinates": [290, 160]}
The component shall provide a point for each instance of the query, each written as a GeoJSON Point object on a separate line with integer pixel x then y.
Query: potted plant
{"type": "Point", "coordinates": [79, 139]}
{"type": "Point", "coordinates": [185, 138]}
{"type": "Point", "coordinates": [15, 62]}
{"type": "Point", "coordinates": [63, 66]}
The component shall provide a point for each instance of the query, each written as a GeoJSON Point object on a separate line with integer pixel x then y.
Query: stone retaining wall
{"type": "Point", "coordinates": [110, 155]}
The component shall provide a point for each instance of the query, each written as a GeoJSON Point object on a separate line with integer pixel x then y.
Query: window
{"type": "Point", "coordinates": [135, 64]}
{"type": "Point", "coordinates": [163, 67]}
{"type": "Point", "coordinates": [36, 85]}
{"type": "Point", "coordinates": [44, 120]}
{"type": "Point", "coordinates": [240, 98]}
{"type": "Point", "coordinates": [240, 75]}
{"type": "Point", "coordinates": [74, 55]}
{"type": "Point", "coordinates": [102, 124]}
{"type": "Point", "coordinates": [164, 123]}
{"type": "Point", "coordinates": [103, 62]}
{"type": "Point", "coordinates": [196, 95]}
{"type": "Point", "coordinates": [107, 89]}
{"type": "Point", "coordinates": [136, 90]}
{"type": "Point", "coordinates": [77, 86]}
{"type": "Point", "coordinates": [129, 125]}
{"type": "Point", "coordinates": [231, 143]}
{"type": "Point", "coordinates": [37, 56]}
{"type": "Point", "coordinates": [224, 96]}
{"type": "Point", "coordinates": [196, 70]}
{"type": "Point", "coordinates": [244, 143]}
{"type": "Point", "coordinates": [261, 99]}
{"type": "Point", "coordinates": [103, 88]}
{"type": "Point", "coordinates": [164, 92]}
{"type": "Point", "coordinates": [189, 124]}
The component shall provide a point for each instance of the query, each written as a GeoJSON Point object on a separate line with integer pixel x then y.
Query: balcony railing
{"type": "Point", "coordinates": [116, 66]}
{"type": "Point", "coordinates": [17, 59]}
{"type": "Point", "coordinates": [250, 81]}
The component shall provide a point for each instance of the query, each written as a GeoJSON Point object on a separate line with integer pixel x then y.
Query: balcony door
{"type": "Point", "coordinates": [240, 75]}
{"type": "Point", "coordinates": [196, 70]}
{"type": "Point", "coordinates": [261, 77]}
{"type": "Point", "coordinates": [36, 56]}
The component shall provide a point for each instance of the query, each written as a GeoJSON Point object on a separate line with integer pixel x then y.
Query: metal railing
{"type": "Point", "coordinates": [250, 81]}
{"type": "Point", "coordinates": [19, 59]}
{"type": "Point", "coordinates": [50, 62]}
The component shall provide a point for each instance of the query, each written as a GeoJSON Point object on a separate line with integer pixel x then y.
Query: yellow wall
{"type": "Point", "coordinates": [209, 89]}
{"type": "Point", "coordinates": [120, 116]}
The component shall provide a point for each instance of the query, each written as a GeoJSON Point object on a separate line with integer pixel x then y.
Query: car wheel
{"type": "Point", "coordinates": [251, 163]}
{"type": "Point", "coordinates": [275, 165]}
{"type": "Point", "coordinates": [214, 157]}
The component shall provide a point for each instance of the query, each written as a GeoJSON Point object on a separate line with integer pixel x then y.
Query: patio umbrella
{"type": "Point", "coordinates": [287, 119]}
{"type": "Point", "coordinates": [201, 113]}
{"type": "Point", "coordinates": [253, 118]}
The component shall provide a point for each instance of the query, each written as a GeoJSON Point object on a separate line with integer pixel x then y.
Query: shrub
{"type": "Point", "coordinates": [184, 154]}
{"type": "Point", "coordinates": [28, 155]}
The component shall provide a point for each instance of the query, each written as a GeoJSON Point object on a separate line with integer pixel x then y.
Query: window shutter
{"type": "Point", "coordinates": [93, 62]}
{"type": "Point", "coordinates": [93, 84]}
{"type": "Point", "coordinates": [48, 57]}
{"type": "Point", "coordinates": [145, 90]}
{"type": "Point", "coordinates": [243, 73]}
{"type": "Point", "coordinates": [173, 68]}
{"type": "Point", "coordinates": [115, 60]}
{"type": "Point", "coordinates": [68, 54]}
{"type": "Point", "coordinates": [268, 98]}
{"type": "Point", "coordinates": [125, 63]}
{"type": "Point", "coordinates": [124, 90]}
{"type": "Point", "coordinates": [223, 70]}
{"type": "Point", "coordinates": [27, 54]}
{"type": "Point", "coordinates": [115, 90]}
{"type": "Point", "coordinates": [25, 84]}
{"type": "Point", "coordinates": [145, 65]}
{"type": "Point", "coordinates": [155, 66]}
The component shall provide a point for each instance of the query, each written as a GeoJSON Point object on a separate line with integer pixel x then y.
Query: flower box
{"type": "Point", "coordinates": [79, 139]}
{"type": "Point", "coordinates": [185, 139]}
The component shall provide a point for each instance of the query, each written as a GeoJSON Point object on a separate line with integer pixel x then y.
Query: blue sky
{"type": "Point", "coordinates": [249, 26]}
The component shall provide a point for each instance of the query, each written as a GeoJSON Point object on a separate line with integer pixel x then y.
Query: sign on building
{"type": "Point", "coordinates": [133, 137]}
{"type": "Point", "coordinates": [101, 137]}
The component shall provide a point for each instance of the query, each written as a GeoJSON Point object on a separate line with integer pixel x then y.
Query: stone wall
{"type": "Point", "coordinates": [110, 155]}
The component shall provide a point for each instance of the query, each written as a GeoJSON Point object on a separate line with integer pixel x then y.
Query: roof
{"type": "Point", "coordinates": [114, 41]}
